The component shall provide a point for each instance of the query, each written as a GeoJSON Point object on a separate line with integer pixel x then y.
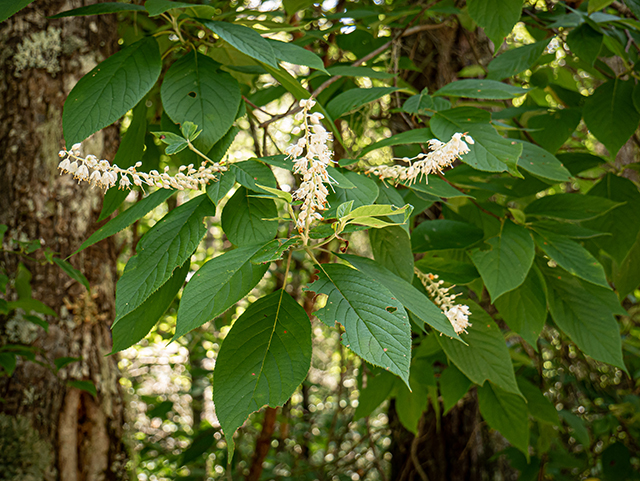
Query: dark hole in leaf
{"type": "Point", "coordinates": [391, 309]}
{"type": "Point", "coordinates": [192, 94]}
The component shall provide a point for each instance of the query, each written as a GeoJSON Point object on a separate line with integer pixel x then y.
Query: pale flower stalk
{"type": "Point", "coordinates": [312, 166]}
{"type": "Point", "coordinates": [458, 314]}
{"type": "Point", "coordinates": [102, 174]}
{"type": "Point", "coordinates": [441, 156]}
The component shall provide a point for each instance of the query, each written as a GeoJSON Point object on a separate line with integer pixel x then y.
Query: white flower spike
{"type": "Point", "coordinates": [458, 314]}
{"type": "Point", "coordinates": [441, 156]}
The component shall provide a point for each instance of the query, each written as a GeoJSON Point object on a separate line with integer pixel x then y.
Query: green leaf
{"type": "Point", "coordinates": [263, 359]}
{"type": "Point", "coordinates": [435, 186]}
{"type": "Point", "coordinates": [416, 136]}
{"type": "Point", "coordinates": [72, 272]}
{"type": "Point", "coordinates": [595, 5]}
{"type": "Point", "coordinates": [537, 404]}
{"type": "Point", "coordinates": [584, 312]}
{"type": "Point", "coordinates": [448, 270]}
{"type": "Point", "coordinates": [130, 151]}
{"type": "Point", "coordinates": [218, 285]}
{"type": "Point", "coordinates": [167, 246]}
{"type": "Point", "coordinates": [571, 256]}
{"type": "Point", "coordinates": [524, 309]}
{"type": "Point", "coordinates": [504, 266]}
{"type": "Point", "coordinates": [8, 362]}
{"type": "Point", "coordinates": [218, 190]}
{"type": "Point", "coordinates": [391, 247]}
{"type": "Point", "coordinates": [572, 207]}
{"type": "Point", "coordinates": [31, 305]}
{"type": "Point", "coordinates": [97, 9]}
{"type": "Point", "coordinates": [221, 147]}
{"type": "Point", "coordinates": [554, 128]}
{"type": "Point", "coordinates": [580, 431]}
{"type": "Point", "coordinates": [610, 114]}
{"type": "Point", "coordinates": [491, 152]}
{"type": "Point", "coordinates": [243, 219]}
{"type": "Point", "coordinates": [376, 210]}
{"type": "Point", "coordinates": [480, 89]}
{"type": "Point", "coordinates": [245, 39]}
{"type": "Point", "coordinates": [349, 71]}
{"type": "Point", "coordinates": [355, 98]}
{"type": "Point", "coordinates": [410, 297]}
{"type": "Point", "coordinates": [516, 60]}
{"type": "Point", "coordinates": [365, 192]}
{"type": "Point", "coordinates": [195, 90]}
{"type": "Point", "coordinates": [411, 404]}
{"type": "Point", "coordinates": [277, 193]}
{"type": "Point", "coordinates": [442, 234]}
{"type": "Point", "coordinates": [623, 222]}
{"type": "Point", "coordinates": [574, 231]}
{"type": "Point", "coordinates": [486, 357]}
{"type": "Point", "coordinates": [133, 327]}
{"type": "Point", "coordinates": [201, 443]}
{"type": "Point", "coordinates": [111, 89]}
{"type": "Point", "coordinates": [419, 104]}
{"type": "Point", "coordinates": [497, 17]}
{"type": "Point", "coordinates": [378, 389]}
{"type": "Point", "coordinates": [585, 42]}
{"type": "Point", "coordinates": [453, 385]}
{"type": "Point", "coordinates": [61, 362]}
{"type": "Point", "coordinates": [251, 172]}
{"type": "Point", "coordinates": [273, 250]}
{"type": "Point", "coordinates": [627, 277]}
{"type": "Point", "coordinates": [507, 413]}
{"type": "Point", "coordinates": [86, 386]}
{"type": "Point", "coordinates": [576, 162]}
{"type": "Point", "coordinates": [157, 7]}
{"type": "Point", "coordinates": [292, 53]}
{"type": "Point", "coordinates": [128, 217]}
{"type": "Point", "coordinates": [377, 327]}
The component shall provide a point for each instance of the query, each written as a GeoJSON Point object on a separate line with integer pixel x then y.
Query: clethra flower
{"type": "Point", "coordinates": [441, 156]}
{"type": "Point", "coordinates": [104, 175]}
{"type": "Point", "coordinates": [312, 166]}
{"type": "Point", "coordinates": [458, 314]}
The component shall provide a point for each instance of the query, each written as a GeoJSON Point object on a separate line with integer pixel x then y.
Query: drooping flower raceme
{"type": "Point", "coordinates": [311, 157]}
{"type": "Point", "coordinates": [102, 174]}
{"type": "Point", "coordinates": [458, 314]}
{"type": "Point", "coordinates": [441, 156]}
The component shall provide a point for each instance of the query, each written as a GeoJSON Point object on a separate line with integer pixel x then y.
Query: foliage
{"type": "Point", "coordinates": [537, 224]}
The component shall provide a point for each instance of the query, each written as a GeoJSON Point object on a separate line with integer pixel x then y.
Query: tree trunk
{"type": "Point", "coordinates": [460, 449]}
{"type": "Point", "coordinates": [76, 436]}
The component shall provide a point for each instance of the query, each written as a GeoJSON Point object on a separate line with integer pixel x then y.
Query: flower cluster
{"type": "Point", "coordinates": [442, 155]}
{"type": "Point", "coordinates": [312, 166]}
{"type": "Point", "coordinates": [458, 314]}
{"type": "Point", "coordinates": [102, 174]}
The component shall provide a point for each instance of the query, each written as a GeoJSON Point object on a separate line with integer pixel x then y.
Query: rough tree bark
{"type": "Point", "coordinates": [40, 61]}
{"type": "Point", "coordinates": [460, 449]}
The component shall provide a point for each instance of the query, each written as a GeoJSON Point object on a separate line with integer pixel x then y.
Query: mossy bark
{"type": "Point", "coordinates": [84, 433]}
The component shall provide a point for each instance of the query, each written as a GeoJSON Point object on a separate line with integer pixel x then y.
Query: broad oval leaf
{"type": "Point", "coordinates": [195, 90]}
{"type": "Point", "coordinates": [133, 327]}
{"type": "Point", "coordinates": [571, 256]}
{"type": "Point", "coordinates": [436, 187]}
{"type": "Point", "coordinates": [216, 286]}
{"type": "Point", "coordinates": [391, 247]}
{"type": "Point", "coordinates": [443, 234]}
{"type": "Point", "coordinates": [251, 172]}
{"type": "Point", "coordinates": [480, 89]}
{"type": "Point", "coordinates": [504, 266]}
{"type": "Point", "coordinates": [448, 269]}
{"type": "Point", "coordinates": [157, 7]}
{"type": "Point", "coordinates": [486, 357]}
{"type": "Point", "coordinates": [264, 358]}
{"type": "Point", "coordinates": [584, 312]}
{"type": "Point", "coordinates": [245, 219]}
{"type": "Point", "coordinates": [111, 89]}
{"type": "Point", "coordinates": [542, 163]}
{"type": "Point", "coordinates": [218, 190]}
{"type": "Point", "coordinates": [292, 53]}
{"type": "Point", "coordinates": [377, 327]}
{"type": "Point", "coordinates": [169, 243]}
{"type": "Point", "coordinates": [245, 39]}
{"type": "Point", "coordinates": [610, 114]}
{"type": "Point", "coordinates": [506, 412]}
{"type": "Point", "coordinates": [355, 98]}
{"type": "Point", "coordinates": [516, 60]}
{"type": "Point", "coordinates": [415, 136]}
{"type": "Point", "coordinates": [552, 129]}
{"type": "Point", "coordinates": [411, 298]}
{"type": "Point", "coordinates": [585, 42]}
{"type": "Point", "coordinates": [572, 207]}
{"type": "Point", "coordinates": [524, 309]}
{"type": "Point", "coordinates": [497, 17]}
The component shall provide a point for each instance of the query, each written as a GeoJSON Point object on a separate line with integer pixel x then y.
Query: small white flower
{"type": "Point", "coordinates": [458, 314]}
